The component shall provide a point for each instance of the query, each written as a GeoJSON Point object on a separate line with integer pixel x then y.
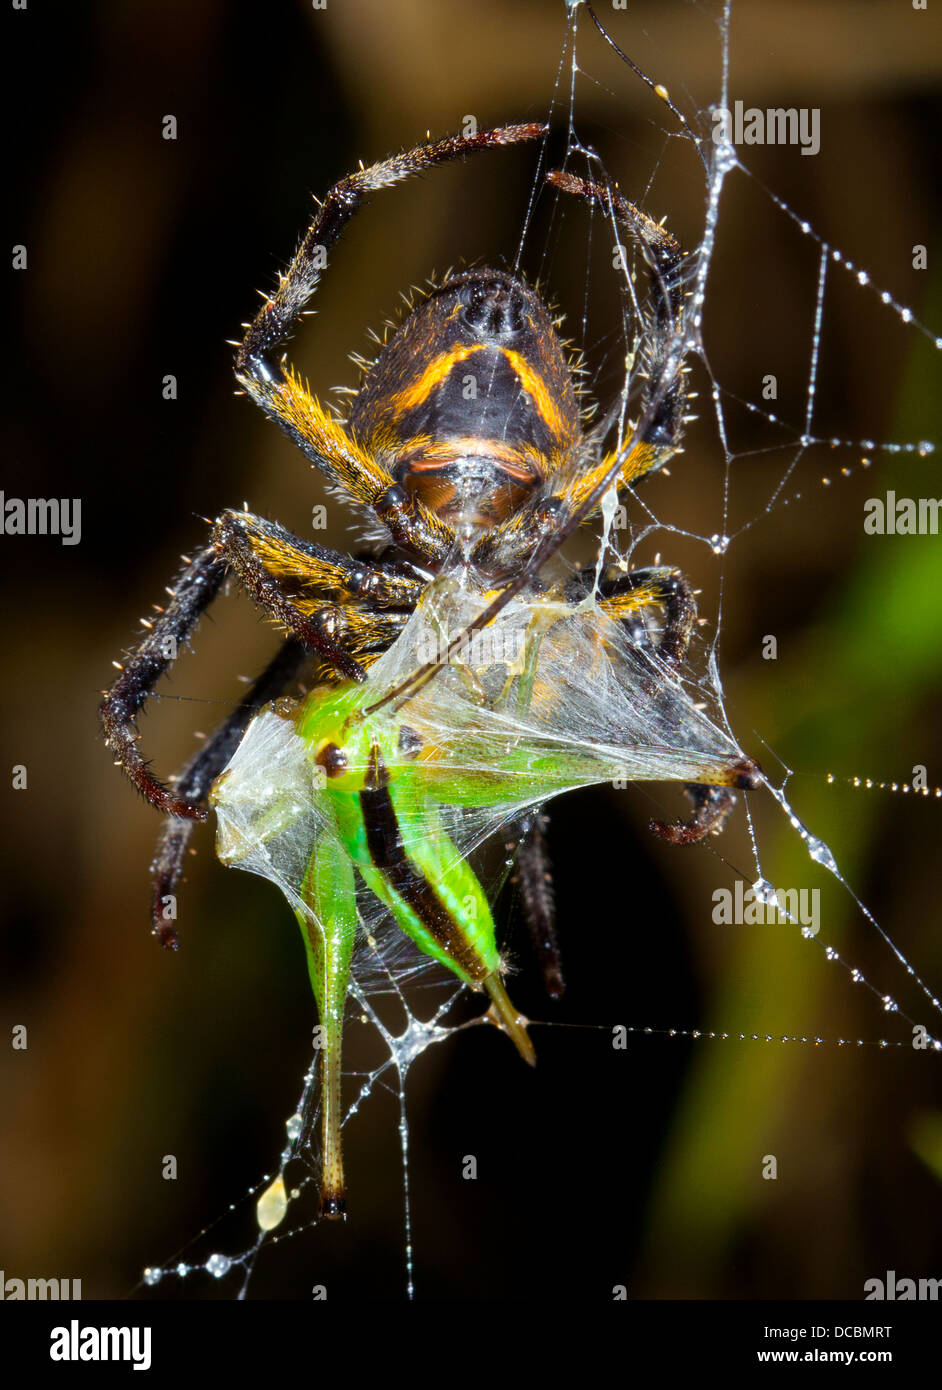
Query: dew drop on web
{"type": "Point", "coordinates": [272, 1205]}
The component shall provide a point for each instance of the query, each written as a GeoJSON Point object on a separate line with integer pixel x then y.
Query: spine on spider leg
{"type": "Point", "coordinates": [191, 593]}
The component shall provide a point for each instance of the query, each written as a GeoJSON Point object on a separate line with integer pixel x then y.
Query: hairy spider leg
{"type": "Point", "coordinates": [662, 405]}
{"type": "Point", "coordinates": [290, 579]}
{"type": "Point", "coordinates": [625, 599]}
{"type": "Point", "coordinates": [664, 397]}
{"type": "Point", "coordinates": [285, 399]}
{"type": "Point", "coordinates": [191, 593]}
{"type": "Point", "coordinates": [195, 778]}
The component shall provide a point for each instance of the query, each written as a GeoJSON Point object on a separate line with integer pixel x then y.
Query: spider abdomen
{"type": "Point", "coordinates": [471, 399]}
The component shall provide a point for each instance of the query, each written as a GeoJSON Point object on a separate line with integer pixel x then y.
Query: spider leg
{"type": "Point", "coordinates": [661, 587]}
{"type": "Point", "coordinates": [288, 577]}
{"type": "Point", "coordinates": [195, 778]}
{"type": "Point", "coordinates": [517, 537]}
{"type": "Point", "coordinates": [192, 592]}
{"type": "Point", "coordinates": [661, 360]}
{"type": "Point", "coordinates": [711, 808]}
{"type": "Point", "coordinates": [670, 591]}
{"type": "Point", "coordinates": [294, 582]}
{"type": "Point", "coordinates": [285, 399]}
{"type": "Point", "coordinates": [525, 839]}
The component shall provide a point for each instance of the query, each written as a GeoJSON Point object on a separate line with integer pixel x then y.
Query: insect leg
{"type": "Point", "coordinates": [711, 808]}
{"type": "Point", "coordinates": [329, 926]}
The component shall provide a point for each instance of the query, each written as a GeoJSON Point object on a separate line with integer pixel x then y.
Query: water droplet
{"type": "Point", "coordinates": [153, 1276]}
{"type": "Point", "coordinates": [821, 854]}
{"type": "Point", "coordinates": [183, 1269]}
{"type": "Point", "coordinates": [764, 890]}
{"type": "Point", "coordinates": [272, 1205]}
{"type": "Point", "coordinates": [218, 1265]}
{"type": "Point", "coordinates": [719, 544]}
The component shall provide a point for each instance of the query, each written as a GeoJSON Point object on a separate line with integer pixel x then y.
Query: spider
{"type": "Point", "coordinates": [465, 442]}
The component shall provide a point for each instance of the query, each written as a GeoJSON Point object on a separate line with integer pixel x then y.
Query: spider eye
{"type": "Point", "coordinates": [493, 310]}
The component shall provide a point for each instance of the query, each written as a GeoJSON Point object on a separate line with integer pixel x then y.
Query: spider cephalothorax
{"type": "Point", "coordinates": [465, 444]}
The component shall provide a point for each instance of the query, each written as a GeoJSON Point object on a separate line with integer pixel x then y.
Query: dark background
{"type": "Point", "coordinates": [601, 1168]}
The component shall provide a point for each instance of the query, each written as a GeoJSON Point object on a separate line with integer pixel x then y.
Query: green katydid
{"type": "Point", "coordinates": [342, 792]}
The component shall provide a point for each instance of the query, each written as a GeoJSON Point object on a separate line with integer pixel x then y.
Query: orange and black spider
{"type": "Point", "coordinates": [465, 442]}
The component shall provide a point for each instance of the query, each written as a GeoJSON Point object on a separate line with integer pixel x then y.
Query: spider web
{"type": "Point", "coordinates": [752, 468]}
